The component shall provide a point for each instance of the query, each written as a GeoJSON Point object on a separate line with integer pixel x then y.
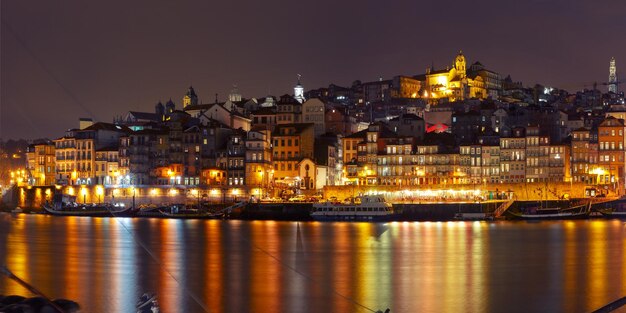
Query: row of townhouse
{"type": "Point", "coordinates": [379, 156]}
{"type": "Point", "coordinates": [291, 155]}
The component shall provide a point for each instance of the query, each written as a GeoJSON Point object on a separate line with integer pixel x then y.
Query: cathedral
{"type": "Point", "coordinates": [459, 82]}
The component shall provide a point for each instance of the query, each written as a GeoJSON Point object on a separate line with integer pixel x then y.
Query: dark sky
{"type": "Point", "coordinates": [62, 60]}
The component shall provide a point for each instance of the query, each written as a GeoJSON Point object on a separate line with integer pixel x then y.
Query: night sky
{"type": "Point", "coordinates": [62, 60]}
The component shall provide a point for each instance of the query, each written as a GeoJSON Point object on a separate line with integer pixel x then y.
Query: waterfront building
{"type": "Point", "coordinates": [327, 159]}
{"type": "Point", "coordinates": [438, 164]}
{"type": "Point", "coordinates": [611, 152]}
{"type": "Point", "coordinates": [235, 158]}
{"type": "Point", "coordinates": [490, 163]}
{"type": "Point", "coordinates": [470, 161]}
{"type": "Point", "coordinates": [194, 151]}
{"type": "Point", "coordinates": [106, 165]}
{"type": "Point", "coordinates": [584, 156]}
{"type": "Point", "coordinates": [513, 156]}
{"type": "Point", "coordinates": [41, 164]}
{"type": "Point", "coordinates": [538, 152]}
{"type": "Point", "coordinates": [65, 149]}
{"type": "Point", "coordinates": [88, 140]}
{"type": "Point", "coordinates": [258, 161]}
{"type": "Point", "coordinates": [395, 161]}
{"type": "Point", "coordinates": [292, 144]}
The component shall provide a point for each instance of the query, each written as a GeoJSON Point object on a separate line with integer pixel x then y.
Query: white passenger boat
{"type": "Point", "coordinates": [364, 208]}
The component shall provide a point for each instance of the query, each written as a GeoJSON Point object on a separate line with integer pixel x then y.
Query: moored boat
{"type": "Point", "coordinates": [65, 205]}
{"type": "Point", "coordinates": [613, 209]}
{"type": "Point", "coordinates": [575, 212]}
{"type": "Point", "coordinates": [364, 208]}
{"type": "Point", "coordinates": [612, 213]}
{"type": "Point", "coordinates": [180, 211]}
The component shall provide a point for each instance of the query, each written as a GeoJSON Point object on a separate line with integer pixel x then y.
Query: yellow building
{"type": "Point", "coordinates": [452, 83]}
{"type": "Point", "coordinates": [292, 143]}
{"type": "Point", "coordinates": [41, 164]}
{"type": "Point", "coordinates": [65, 160]}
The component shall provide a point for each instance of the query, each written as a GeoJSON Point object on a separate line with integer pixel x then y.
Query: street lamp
{"type": "Point", "coordinates": [83, 191]}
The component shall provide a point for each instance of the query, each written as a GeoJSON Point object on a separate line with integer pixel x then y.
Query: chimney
{"type": "Point", "coordinates": [84, 122]}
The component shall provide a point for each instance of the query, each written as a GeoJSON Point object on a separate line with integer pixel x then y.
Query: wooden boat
{"type": "Point", "coordinates": [65, 205]}
{"type": "Point", "coordinates": [575, 212]}
{"type": "Point", "coordinates": [180, 211]}
{"type": "Point", "coordinates": [365, 208]}
{"type": "Point", "coordinates": [613, 209]}
{"type": "Point", "coordinates": [104, 209]}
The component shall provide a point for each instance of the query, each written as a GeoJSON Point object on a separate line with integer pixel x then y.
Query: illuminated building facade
{"type": "Point", "coordinates": [584, 156]}
{"type": "Point", "coordinates": [292, 143]}
{"type": "Point", "coordinates": [41, 164]}
{"type": "Point", "coordinates": [611, 152]}
{"type": "Point", "coordinates": [259, 158]}
{"type": "Point", "coordinates": [65, 148]}
{"type": "Point", "coordinates": [459, 82]}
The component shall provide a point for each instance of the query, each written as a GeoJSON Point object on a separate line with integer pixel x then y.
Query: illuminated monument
{"type": "Point", "coordinates": [459, 82]}
{"type": "Point", "coordinates": [612, 76]}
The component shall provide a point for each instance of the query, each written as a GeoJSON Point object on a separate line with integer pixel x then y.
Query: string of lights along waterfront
{"type": "Point", "coordinates": [267, 266]}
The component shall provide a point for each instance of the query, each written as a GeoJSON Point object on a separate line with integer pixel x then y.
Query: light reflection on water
{"type": "Point", "coordinates": [265, 266]}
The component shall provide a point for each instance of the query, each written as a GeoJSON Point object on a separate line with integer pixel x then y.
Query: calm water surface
{"type": "Point", "coordinates": [265, 266]}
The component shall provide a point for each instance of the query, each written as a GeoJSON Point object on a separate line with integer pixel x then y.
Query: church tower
{"type": "Point", "coordinates": [612, 76]}
{"type": "Point", "coordinates": [234, 95]}
{"type": "Point", "coordinates": [298, 91]}
{"type": "Point", "coordinates": [459, 64]}
{"type": "Point", "coordinates": [190, 98]}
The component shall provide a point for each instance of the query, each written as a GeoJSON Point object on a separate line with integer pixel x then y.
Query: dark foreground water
{"type": "Point", "coordinates": [265, 266]}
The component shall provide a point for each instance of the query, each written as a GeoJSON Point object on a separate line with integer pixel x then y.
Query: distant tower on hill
{"type": "Point", "coordinates": [190, 98]}
{"type": "Point", "coordinates": [234, 95]}
{"type": "Point", "coordinates": [298, 91]}
{"type": "Point", "coordinates": [459, 64]}
{"type": "Point", "coordinates": [612, 76]}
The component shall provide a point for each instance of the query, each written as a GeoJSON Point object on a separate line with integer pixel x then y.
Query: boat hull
{"type": "Point", "coordinates": [99, 211]}
{"type": "Point", "coordinates": [206, 216]}
{"type": "Point", "coordinates": [556, 216]}
{"type": "Point", "coordinates": [613, 214]}
{"type": "Point", "coordinates": [351, 218]}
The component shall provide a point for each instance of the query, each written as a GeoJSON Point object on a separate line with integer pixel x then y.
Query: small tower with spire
{"type": "Point", "coordinates": [612, 76]}
{"type": "Point", "coordinates": [190, 97]}
{"type": "Point", "coordinates": [298, 91]}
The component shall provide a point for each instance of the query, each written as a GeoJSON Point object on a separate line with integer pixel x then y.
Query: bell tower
{"type": "Point", "coordinates": [459, 64]}
{"type": "Point", "coordinates": [612, 76]}
{"type": "Point", "coordinates": [190, 98]}
{"type": "Point", "coordinates": [298, 91]}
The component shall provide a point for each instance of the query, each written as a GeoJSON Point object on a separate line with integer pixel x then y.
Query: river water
{"type": "Point", "coordinates": [266, 266]}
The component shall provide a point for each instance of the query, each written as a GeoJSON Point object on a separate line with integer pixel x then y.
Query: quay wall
{"type": "Point", "coordinates": [519, 191]}
{"type": "Point", "coordinates": [34, 197]}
